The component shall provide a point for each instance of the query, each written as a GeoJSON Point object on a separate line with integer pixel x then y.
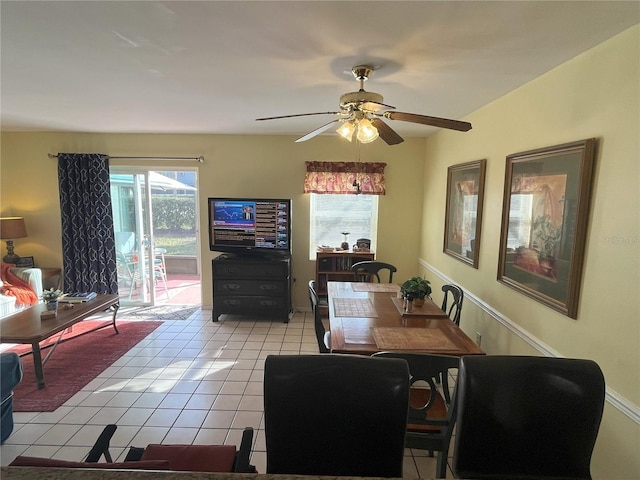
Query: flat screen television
{"type": "Point", "coordinates": [250, 225]}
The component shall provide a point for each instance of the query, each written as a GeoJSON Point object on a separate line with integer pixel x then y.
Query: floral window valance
{"type": "Point", "coordinates": [345, 177]}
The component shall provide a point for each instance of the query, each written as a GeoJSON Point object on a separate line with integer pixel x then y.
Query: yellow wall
{"type": "Point", "coordinates": [260, 166]}
{"type": "Point", "coordinates": [593, 95]}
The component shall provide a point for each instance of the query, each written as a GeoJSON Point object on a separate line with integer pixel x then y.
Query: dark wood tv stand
{"type": "Point", "coordinates": [252, 285]}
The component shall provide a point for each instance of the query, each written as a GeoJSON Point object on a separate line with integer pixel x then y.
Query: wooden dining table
{"type": "Point", "coordinates": [366, 318]}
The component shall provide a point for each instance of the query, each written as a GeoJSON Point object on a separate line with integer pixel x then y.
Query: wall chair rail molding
{"type": "Point", "coordinates": [616, 400]}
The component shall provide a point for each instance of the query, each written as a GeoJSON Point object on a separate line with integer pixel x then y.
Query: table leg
{"type": "Point", "coordinates": [115, 308]}
{"type": "Point", "coordinates": [37, 364]}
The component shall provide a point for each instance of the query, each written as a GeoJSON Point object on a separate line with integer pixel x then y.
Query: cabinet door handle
{"type": "Point", "coordinates": [268, 303]}
{"type": "Point", "coordinates": [268, 286]}
{"type": "Point", "coordinates": [231, 286]}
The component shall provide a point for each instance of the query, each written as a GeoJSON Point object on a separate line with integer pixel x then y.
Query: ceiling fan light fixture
{"type": "Point", "coordinates": [367, 133]}
{"type": "Point", "coordinates": [346, 130]}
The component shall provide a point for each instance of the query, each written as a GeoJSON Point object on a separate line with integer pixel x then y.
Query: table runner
{"type": "Point", "coordinates": [374, 287]}
{"type": "Point", "coordinates": [407, 338]}
{"type": "Point", "coordinates": [429, 309]}
{"type": "Point", "coordinates": [354, 307]}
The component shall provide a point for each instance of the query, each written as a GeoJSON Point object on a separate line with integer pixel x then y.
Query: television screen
{"type": "Point", "coordinates": [239, 225]}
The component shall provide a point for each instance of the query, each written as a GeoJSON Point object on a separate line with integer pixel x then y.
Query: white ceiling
{"type": "Point", "coordinates": [214, 67]}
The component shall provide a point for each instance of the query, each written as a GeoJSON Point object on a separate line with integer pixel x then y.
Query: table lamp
{"type": "Point", "coordinates": [10, 229]}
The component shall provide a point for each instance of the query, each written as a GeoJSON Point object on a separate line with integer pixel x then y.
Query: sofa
{"type": "Point", "coordinates": [30, 276]}
{"type": "Point", "coordinates": [10, 377]}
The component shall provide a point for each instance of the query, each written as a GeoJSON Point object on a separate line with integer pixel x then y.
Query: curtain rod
{"type": "Point", "coordinates": [199, 159]}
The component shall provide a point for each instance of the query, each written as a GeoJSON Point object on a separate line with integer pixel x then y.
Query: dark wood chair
{"type": "Point", "coordinates": [452, 308]}
{"type": "Point", "coordinates": [317, 421]}
{"type": "Point", "coordinates": [365, 271]}
{"type": "Point", "coordinates": [431, 410]}
{"type": "Point", "coordinates": [322, 336]}
{"type": "Point", "coordinates": [527, 417]}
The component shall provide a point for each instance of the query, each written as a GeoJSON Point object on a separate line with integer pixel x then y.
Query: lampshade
{"type": "Point", "coordinates": [346, 130]}
{"type": "Point", "coordinates": [366, 131]}
{"type": "Point", "coordinates": [12, 228]}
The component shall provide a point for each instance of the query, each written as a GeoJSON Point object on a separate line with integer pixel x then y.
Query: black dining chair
{"type": "Point", "coordinates": [525, 417]}
{"type": "Point", "coordinates": [322, 336]}
{"type": "Point", "coordinates": [365, 271]}
{"type": "Point", "coordinates": [452, 308]}
{"type": "Point", "coordinates": [337, 415]}
{"type": "Point", "coordinates": [431, 409]}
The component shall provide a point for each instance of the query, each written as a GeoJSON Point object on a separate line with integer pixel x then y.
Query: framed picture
{"type": "Point", "coordinates": [544, 221]}
{"type": "Point", "coordinates": [463, 214]}
{"type": "Point", "coordinates": [25, 262]}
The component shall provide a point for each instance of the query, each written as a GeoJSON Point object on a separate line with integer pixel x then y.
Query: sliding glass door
{"type": "Point", "coordinates": [132, 216]}
{"type": "Point", "coordinates": [155, 217]}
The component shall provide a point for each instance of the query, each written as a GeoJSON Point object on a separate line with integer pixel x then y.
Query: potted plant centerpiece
{"type": "Point", "coordinates": [50, 297]}
{"type": "Point", "coordinates": [416, 288]}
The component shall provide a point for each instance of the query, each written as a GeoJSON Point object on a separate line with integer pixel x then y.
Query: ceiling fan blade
{"type": "Point", "coordinates": [432, 121]}
{"type": "Point", "coordinates": [375, 106]}
{"type": "Point", "coordinates": [318, 130]}
{"type": "Point", "coordinates": [300, 115]}
{"type": "Point", "coordinates": [387, 133]}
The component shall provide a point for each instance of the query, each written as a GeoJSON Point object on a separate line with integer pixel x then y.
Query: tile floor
{"type": "Point", "coordinates": [190, 381]}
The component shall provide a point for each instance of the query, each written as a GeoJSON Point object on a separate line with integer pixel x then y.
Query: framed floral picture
{"type": "Point", "coordinates": [463, 214]}
{"type": "Point", "coordinates": [544, 220]}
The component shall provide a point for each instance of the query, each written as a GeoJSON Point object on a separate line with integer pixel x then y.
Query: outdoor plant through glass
{"type": "Point", "coordinates": [174, 224]}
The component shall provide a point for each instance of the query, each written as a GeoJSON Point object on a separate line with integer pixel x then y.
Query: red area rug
{"type": "Point", "coordinates": [75, 363]}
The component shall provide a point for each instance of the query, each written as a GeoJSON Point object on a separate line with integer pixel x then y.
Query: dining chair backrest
{"type": "Point", "coordinates": [527, 417]}
{"type": "Point", "coordinates": [322, 336]}
{"type": "Point", "coordinates": [452, 306]}
{"type": "Point", "coordinates": [318, 421]}
{"type": "Point", "coordinates": [365, 271]}
{"type": "Point", "coordinates": [431, 410]}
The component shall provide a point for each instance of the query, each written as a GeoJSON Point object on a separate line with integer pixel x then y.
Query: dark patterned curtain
{"type": "Point", "coordinates": [88, 239]}
{"type": "Point", "coordinates": [345, 177]}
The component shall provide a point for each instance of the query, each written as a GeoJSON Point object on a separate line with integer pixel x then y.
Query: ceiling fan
{"type": "Point", "coordinates": [361, 114]}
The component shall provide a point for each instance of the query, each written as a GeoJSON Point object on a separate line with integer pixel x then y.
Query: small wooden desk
{"type": "Point", "coordinates": [26, 326]}
{"type": "Point", "coordinates": [365, 321]}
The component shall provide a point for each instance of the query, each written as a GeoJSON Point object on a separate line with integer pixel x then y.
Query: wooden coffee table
{"type": "Point", "coordinates": [26, 326]}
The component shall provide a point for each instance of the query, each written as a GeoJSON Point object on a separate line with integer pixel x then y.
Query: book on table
{"type": "Point", "coordinates": [77, 297]}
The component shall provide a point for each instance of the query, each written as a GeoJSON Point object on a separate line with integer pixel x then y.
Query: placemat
{"type": "Point", "coordinates": [406, 338]}
{"type": "Point", "coordinates": [374, 287]}
{"type": "Point", "coordinates": [353, 307]}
